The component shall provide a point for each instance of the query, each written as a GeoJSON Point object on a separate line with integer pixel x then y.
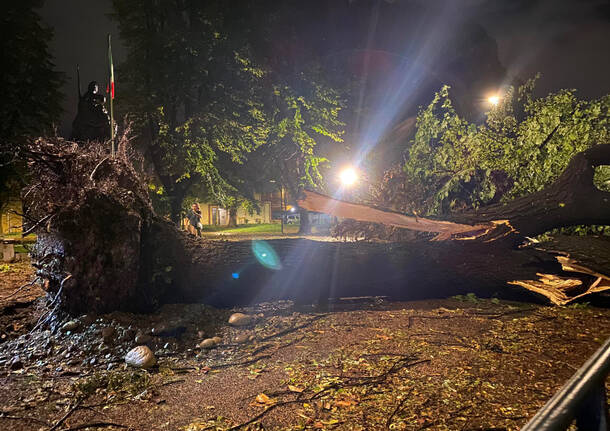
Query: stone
{"type": "Point", "coordinates": [143, 339]}
{"type": "Point", "coordinates": [71, 325]}
{"type": "Point", "coordinates": [87, 319]}
{"type": "Point", "coordinates": [217, 340]}
{"type": "Point", "coordinates": [128, 334]}
{"type": "Point", "coordinates": [159, 329]}
{"type": "Point", "coordinates": [242, 338]}
{"type": "Point", "coordinates": [108, 333]}
{"type": "Point", "coordinates": [140, 357]}
{"type": "Point", "coordinates": [208, 343]}
{"type": "Point", "coordinates": [16, 363]}
{"type": "Point", "coordinates": [240, 319]}
{"type": "Point", "coordinates": [8, 251]}
{"type": "Point", "coordinates": [169, 331]}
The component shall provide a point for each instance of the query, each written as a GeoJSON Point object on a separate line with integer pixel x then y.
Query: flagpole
{"type": "Point", "coordinates": [111, 93]}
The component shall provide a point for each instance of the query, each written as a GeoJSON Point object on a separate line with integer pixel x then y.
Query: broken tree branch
{"type": "Point", "coordinates": [319, 203]}
{"type": "Point", "coordinates": [571, 200]}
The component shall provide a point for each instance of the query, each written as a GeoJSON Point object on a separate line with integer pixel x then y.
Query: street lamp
{"type": "Point", "coordinates": [348, 177]}
{"type": "Point", "coordinates": [494, 100]}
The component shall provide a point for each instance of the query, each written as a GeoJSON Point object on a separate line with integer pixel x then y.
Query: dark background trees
{"type": "Point", "coordinates": [31, 100]}
{"type": "Point", "coordinates": [188, 89]}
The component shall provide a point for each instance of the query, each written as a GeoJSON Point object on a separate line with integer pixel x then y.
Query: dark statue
{"type": "Point", "coordinates": [92, 121]}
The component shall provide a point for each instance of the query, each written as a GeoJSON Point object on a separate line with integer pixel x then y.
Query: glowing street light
{"type": "Point", "coordinates": [348, 177]}
{"type": "Point", "coordinates": [494, 100]}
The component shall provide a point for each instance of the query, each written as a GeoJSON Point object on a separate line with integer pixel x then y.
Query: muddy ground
{"type": "Point", "coordinates": [457, 364]}
{"type": "Point", "coordinates": [18, 311]}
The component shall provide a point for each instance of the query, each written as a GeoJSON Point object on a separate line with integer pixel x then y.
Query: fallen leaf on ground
{"type": "Point", "coordinates": [262, 399]}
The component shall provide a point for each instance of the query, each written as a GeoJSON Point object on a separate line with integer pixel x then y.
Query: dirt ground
{"type": "Point", "coordinates": [17, 312]}
{"type": "Point", "coordinates": [462, 363]}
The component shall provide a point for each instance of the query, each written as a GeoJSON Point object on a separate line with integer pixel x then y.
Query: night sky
{"type": "Point", "coordinates": [567, 41]}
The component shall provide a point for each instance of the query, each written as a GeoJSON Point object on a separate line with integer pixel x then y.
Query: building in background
{"type": "Point", "coordinates": [213, 214]}
{"type": "Point", "coordinates": [10, 220]}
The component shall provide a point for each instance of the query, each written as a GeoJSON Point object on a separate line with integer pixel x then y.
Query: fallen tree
{"type": "Point", "coordinates": [571, 200]}
{"type": "Point", "coordinates": [101, 247]}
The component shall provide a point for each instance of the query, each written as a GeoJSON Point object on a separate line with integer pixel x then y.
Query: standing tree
{"type": "Point", "coordinates": [204, 96]}
{"type": "Point", "coordinates": [31, 97]}
{"type": "Point", "coordinates": [301, 124]}
{"type": "Point", "coordinates": [188, 88]}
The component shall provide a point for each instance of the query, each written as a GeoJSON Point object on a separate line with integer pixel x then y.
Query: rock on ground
{"type": "Point", "coordinates": [141, 357]}
{"type": "Point", "coordinates": [208, 343]}
{"type": "Point", "coordinates": [240, 319]}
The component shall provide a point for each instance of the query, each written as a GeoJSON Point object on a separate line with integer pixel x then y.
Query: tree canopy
{"type": "Point", "coordinates": [523, 145]}
{"type": "Point", "coordinates": [31, 96]}
{"type": "Point", "coordinates": [202, 101]}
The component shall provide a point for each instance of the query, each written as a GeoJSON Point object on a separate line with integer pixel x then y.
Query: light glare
{"type": "Point", "coordinates": [348, 176]}
{"type": "Point", "coordinates": [494, 100]}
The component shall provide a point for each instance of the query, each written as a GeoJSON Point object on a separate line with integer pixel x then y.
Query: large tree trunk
{"type": "Point", "coordinates": [304, 224]}
{"type": "Point", "coordinates": [232, 217]}
{"type": "Point", "coordinates": [101, 248]}
{"type": "Point", "coordinates": [312, 271]}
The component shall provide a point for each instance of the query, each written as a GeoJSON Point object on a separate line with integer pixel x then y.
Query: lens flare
{"type": "Point", "coordinates": [348, 176]}
{"type": "Point", "coordinates": [266, 255]}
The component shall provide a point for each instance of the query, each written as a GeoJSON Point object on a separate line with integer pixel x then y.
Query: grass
{"type": "Point", "coordinates": [17, 236]}
{"type": "Point", "coordinates": [247, 229]}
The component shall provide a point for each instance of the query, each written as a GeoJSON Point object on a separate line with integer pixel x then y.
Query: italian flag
{"type": "Point", "coordinates": [110, 88]}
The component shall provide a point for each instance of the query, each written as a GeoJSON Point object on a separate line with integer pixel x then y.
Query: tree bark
{"type": "Point", "coordinates": [304, 226]}
{"type": "Point", "coordinates": [101, 248]}
{"type": "Point", "coordinates": [312, 271]}
{"type": "Point", "coordinates": [232, 217]}
{"type": "Point", "coordinates": [175, 205]}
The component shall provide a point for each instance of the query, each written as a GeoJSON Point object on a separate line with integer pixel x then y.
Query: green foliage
{"type": "Point", "coordinates": [469, 297]}
{"type": "Point", "coordinates": [298, 123]}
{"type": "Point", "coordinates": [124, 384]}
{"type": "Point", "coordinates": [524, 144]}
{"type": "Point", "coordinates": [203, 103]}
{"type": "Point", "coordinates": [189, 90]}
{"type": "Point", "coordinates": [601, 179]}
{"type": "Point", "coordinates": [579, 305]}
{"type": "Point", "coordinates": [31, 98]}
{"type": "Point", "coordinates": [159, 199]}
